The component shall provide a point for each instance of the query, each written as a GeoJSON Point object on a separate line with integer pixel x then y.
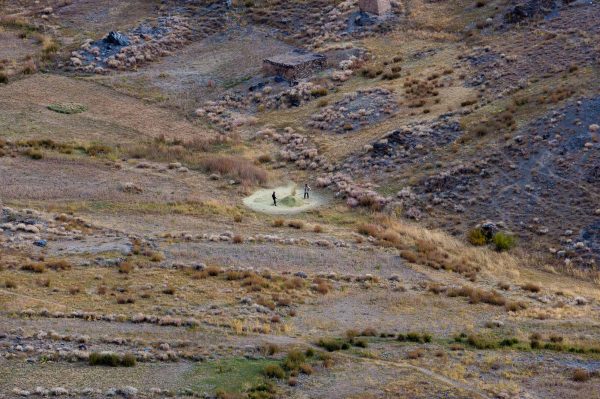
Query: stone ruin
{"type": "Point", "coordinates": [376, 7]}
{"type": "Point", "coordinates": [294, 65]}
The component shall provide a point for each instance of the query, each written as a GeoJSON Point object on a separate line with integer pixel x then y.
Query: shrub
{"type": "Point", "coordinates": [482, 342]}
{"type": "Point", "coordinates": [234, 167]}
{"type": "Point", "coordinates": [333, 344]}
{"type": "Point", "coordinates": [74, 290]}
{"type": "Point", "coordinates": [531, 287]}
{"type": "Point", "coordinates": [156, 257]}
{"type": "Point", "coordinates": [317, 229]}
{"type": "Point", "coordinates": [368, 229]}
{"type": "Point", "coordinates": [274, 371]}
{"type": "Point", "coordinates": [369, 332]}
{"type": "Point", "coordinates": [125, 268]}
{"type": "Point", "coordinates": [278, 222]}
{"type": "Point", "coordinates": [503, 241]}
{"type": "Point", "coordinates": [213, 271]}
{"type": "Point", "coordinates": [111, 359]}
{"type": "Point", "coordinates": [33, 153]}
{"type": "Point", "coordinates": [265, 158]}
{"type": "Point", "coordinates": [168, 290]}
{"type": "Point", "coordinates": [415, 353]}
{"type": "Point", "coordinates": [319, 91]}
{"type": "Point", "coordinates": [238, 218]}
{"type": "Point", "coordinates": [10, 283]}
{"type": "Point", "coordinates": [125, 300]}
{"type": "Point", "coordinates": [476, 237]}
{"type": "Point", "coordinates": [504, 286]}
{"type": "Point", "coordinates": [34, 267]}
{"type": "Point", "coordinates": [294, 360]}
{"type": "Point", "coordinates": [3, 77]}
{"type": "Point", "coordinates": [296, 224]}
{"type": "Point", "coordinates": [237, 239]}
{"type": "Point", "coordinates": [581, 375]}
{"type": "Point", "coordinates": [58, 264]}
{"type": "Point", "coordinates": [306, 368]}
{"type": "Point", "coordinates": [322, 287]}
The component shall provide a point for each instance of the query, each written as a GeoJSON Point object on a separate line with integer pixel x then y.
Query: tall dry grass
{"type": "Point", "coordinates": [195, 155]}
{"type": "Point", "coordinates": [439, 250]}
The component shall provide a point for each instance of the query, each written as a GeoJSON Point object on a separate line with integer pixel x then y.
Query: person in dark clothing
{"type": "Point", "coordinates": [306, 191]}
{"type": "Point", "coordinates": [274, 198]}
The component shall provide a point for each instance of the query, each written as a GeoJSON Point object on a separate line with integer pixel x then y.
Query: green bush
{"type": "Point", "coordinates": [503, 241]}
{"type": "Point", "coordinates": [333, 344]}
{"type": "Point", "coordinates": [293, 360]}
{"type": "Point", "coordinates": [111, 359]}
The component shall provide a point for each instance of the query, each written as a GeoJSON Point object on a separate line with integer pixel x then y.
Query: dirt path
{"type": "Point", "coordinates": [288, 201]}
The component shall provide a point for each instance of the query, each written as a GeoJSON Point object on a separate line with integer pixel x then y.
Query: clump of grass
{"type": "Point", "coordinates": [238, 239]}
{"type": "Point", "coordinates": [531, 287]}
{"type": "Point", "coordinates": [415, 353]}
{"type": "Point", "coordinates": [111, 359]}
{"type": "Point", "coordinates": [58, 264]}
{"type": "Point", "coordinates": [279, 222]}
{"type": "Point", "coordinates": [34, 267]}
{"type": "Point", "coordinates": [296, 224]}
{"type": "Point", "coordinates": [125, 268]}
{"type": "Point", "coordinates": [235, 167]}
{"type": "Point", "coordinates": [274, 371]}
{"type": "Point", "coordinates": [477, 237]}
{"type": "Point", "coordinates": [333, 344]}
{"type": "Point", "coordinates": [415, 337]}
{"type": "Point", "coordinates": [368, 229]}
{"type": "Point", "coordinates": [503, 241]}
{"type": "Point", "coordinates": [33, 153]}
{"type": "Point", "coordinates": [477, 295]}
{"type": "Point", "coordinates": [10, 284]}
{"type": "Point", "coordinates": [319, 91]}
{"type": "Point", "coordinates": [67, 108]}
{"type": "Point", "coordinates": [581, 375]}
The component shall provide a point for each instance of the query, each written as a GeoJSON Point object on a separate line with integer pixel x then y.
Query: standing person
{"type": "Point", "coordinates": [274, 198]}
{"type": "Point", "coordinates": [306, 190]}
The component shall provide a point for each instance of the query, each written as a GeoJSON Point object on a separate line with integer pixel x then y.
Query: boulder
{"type": "Point", "coordinates": [117, 38]}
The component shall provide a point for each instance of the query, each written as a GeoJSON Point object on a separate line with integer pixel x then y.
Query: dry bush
{"type": "Point", "coordinates": [34, 267]}
{"type": "Point", "coordinates": [294, 283]}
{"type": "Point", "coordinates": [8, 283]}
{"type": "Point", "coordinates": [238, 218]}
{"type": "Point", "coordinates": [238, 239]}
{"type": "Point", "coordinates": [234, 167]}
{"type": "Point", "coordinates": [322, 286]}
{"type": "Point", "coordinates": [213, 271]}
{"type": "Point", "coordinates": [279, 222]}
{"type": "Point", "coordinates": [58, 264]}
{"type": "Point", "coordinates": [296, 224]}
{"type": "Point", "coordinates": [531, 287]}
{"type": "Point", "coordinates": [125, 268]}
{"type": "Point", "coordinates": [415, 353]}
{"type": "Point", "coordinates": [74, 290]}
{"type": "Point", "coordinates": [170, 290]}
{"type": "Point", "coordinates": [437, 249]}
{"type": "Point", "coordinates": [317, 229]}
{"type": "Point", "coordinates": [125, 300]}
{"type": "Point", "coordinates": [156, 257]}
{"type": "Point", "coordinates": [581, 375]}
{"type": "Point", "coordinates": [477, 295]}
{"type": "Point", "coordinates": [255, 283]}
{"type": "Point", "coordinates": [368, 229]}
